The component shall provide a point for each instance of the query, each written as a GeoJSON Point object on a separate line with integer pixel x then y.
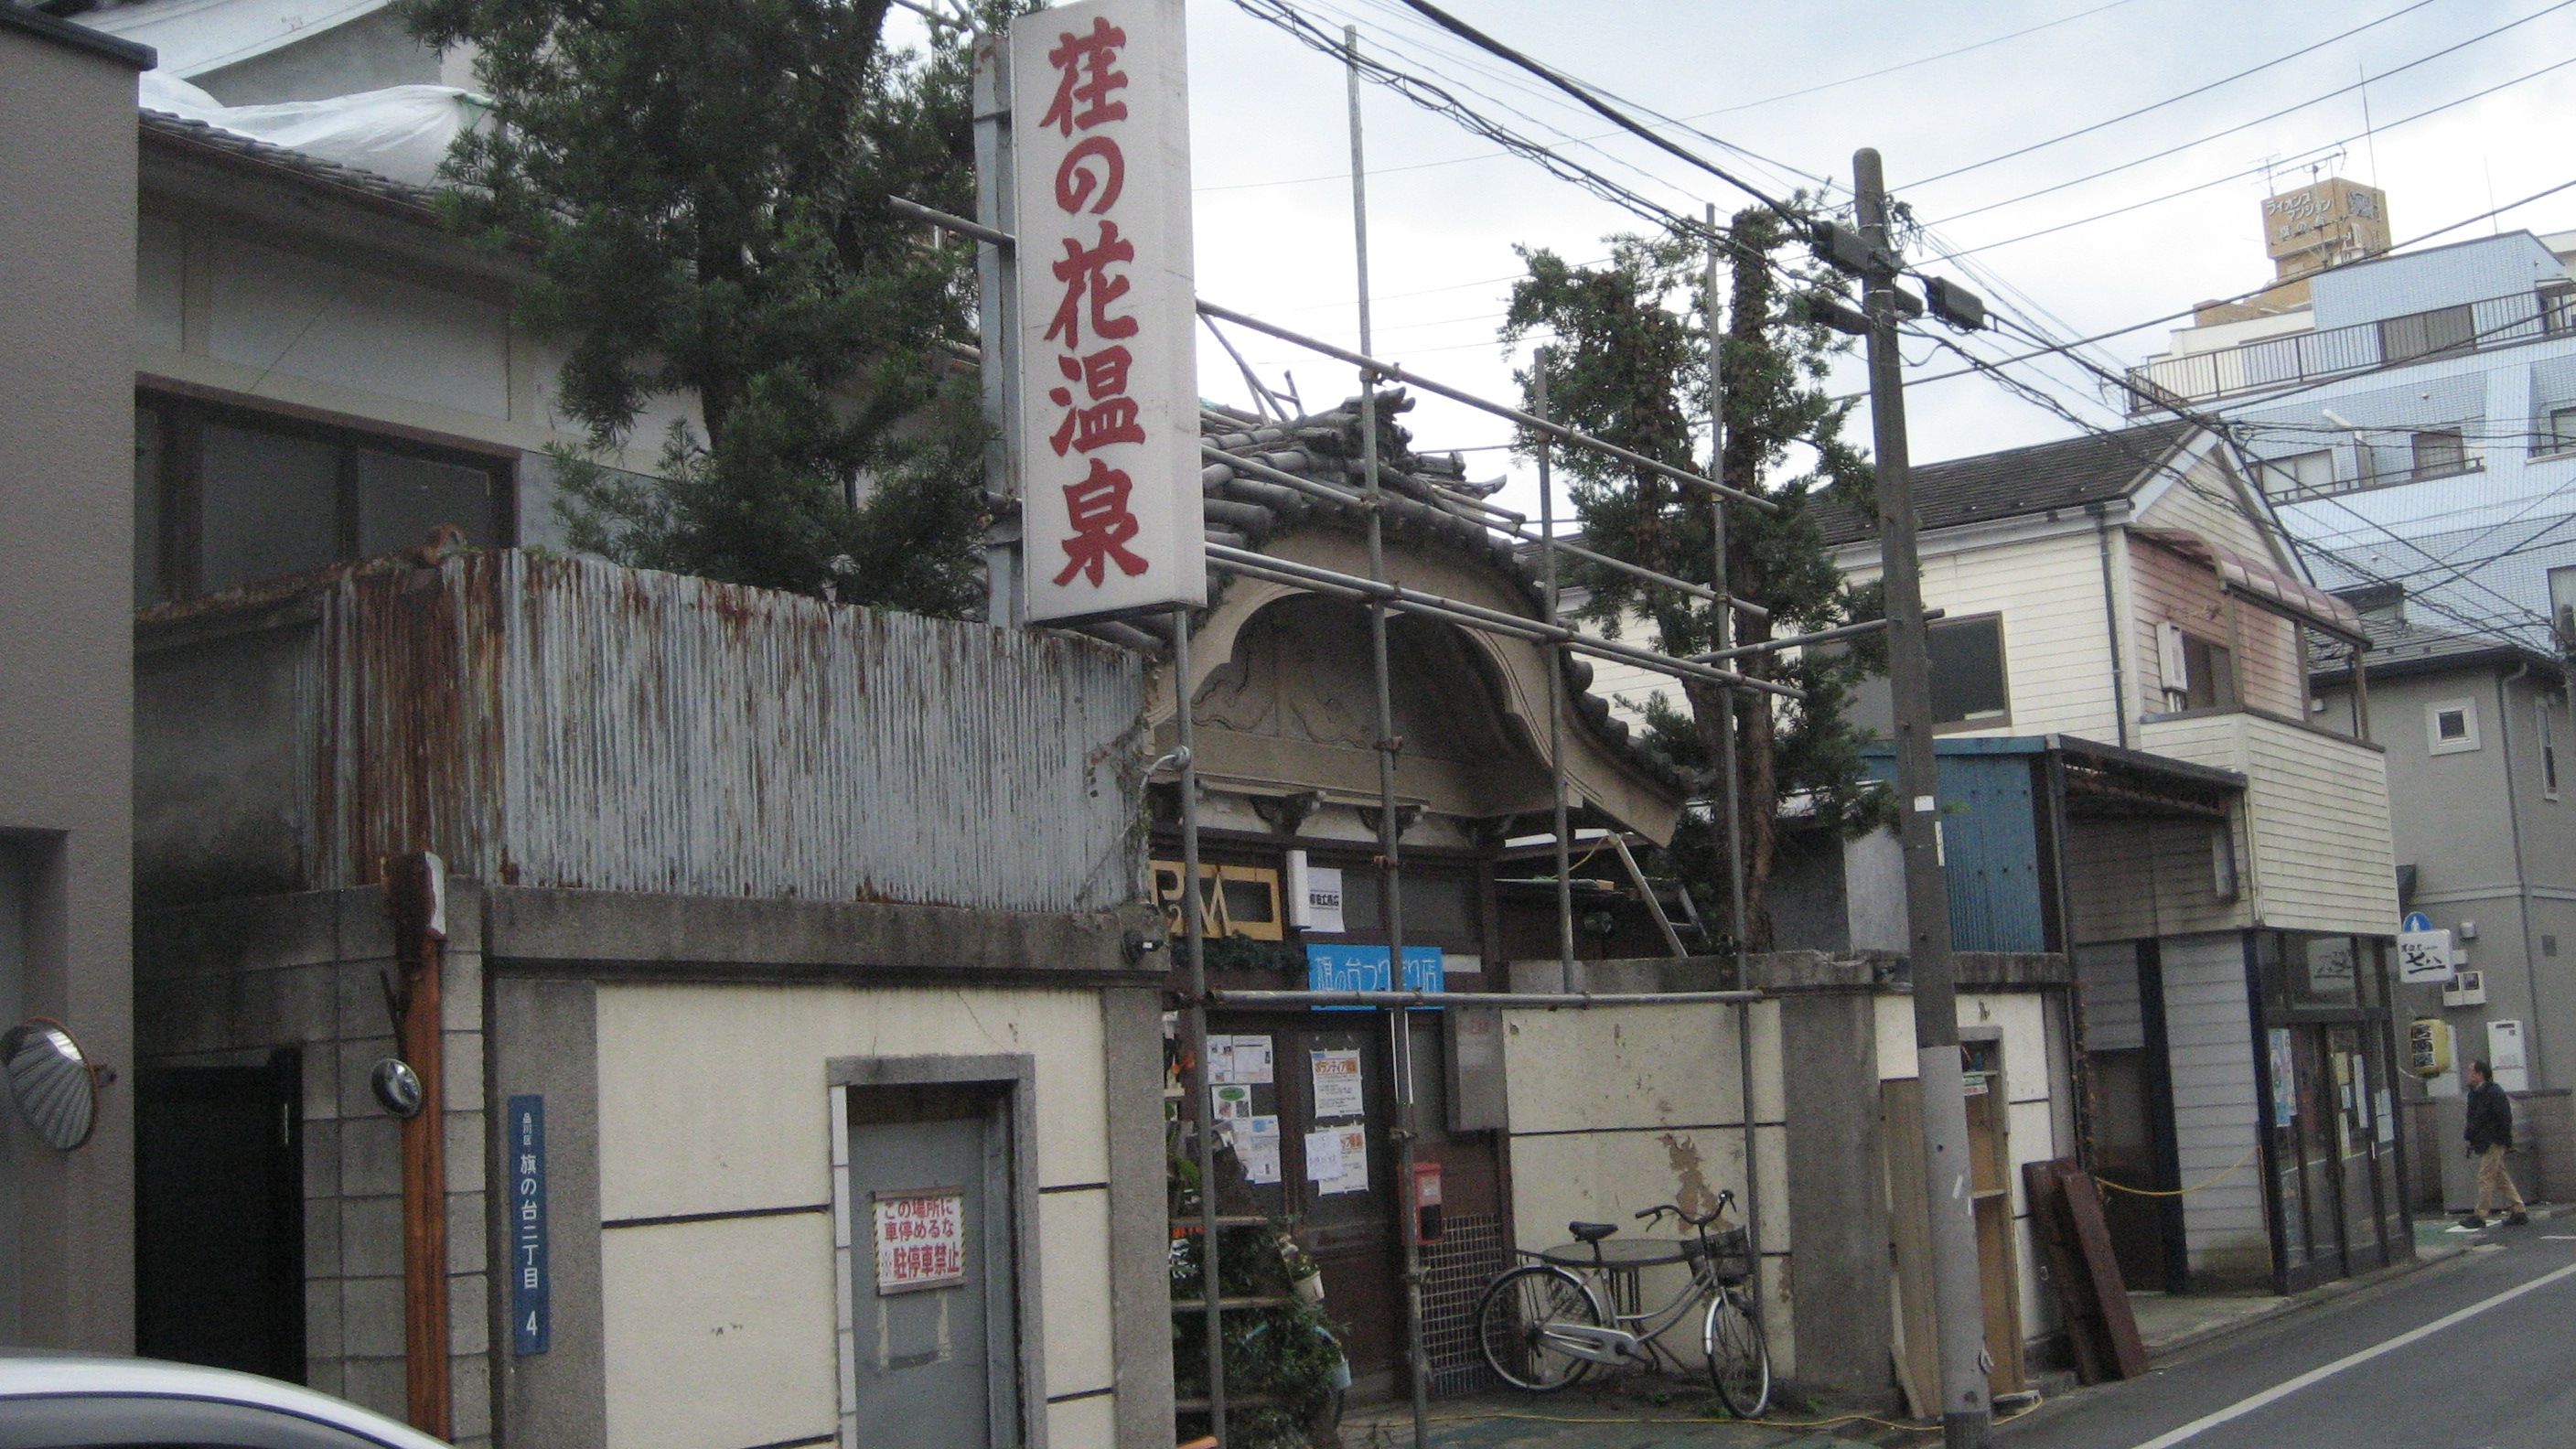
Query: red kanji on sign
{"type": "Point", "coordinates": [1085, 273]}
{"type": "Point", "coordinates": [1087, 71]}
{"type": "Point", "coordinates": [1102, 525]}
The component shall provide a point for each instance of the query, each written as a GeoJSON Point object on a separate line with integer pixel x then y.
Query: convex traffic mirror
{"type": "Point", "coordinates": [51, 1084]}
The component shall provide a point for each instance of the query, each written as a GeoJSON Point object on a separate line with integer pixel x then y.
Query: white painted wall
{"type": "Point", "coordinates": [2209, 1041]}
{"type": "Point", "coordinates": [1618, 1109]}
{"type": "Point", "coordinates": [713, 1099]}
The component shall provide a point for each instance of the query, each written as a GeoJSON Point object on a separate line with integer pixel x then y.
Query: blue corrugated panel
{"type": "Point", "coordinates": [1989, 842]}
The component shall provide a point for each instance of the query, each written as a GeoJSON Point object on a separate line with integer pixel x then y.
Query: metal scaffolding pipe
{"type": "Point", "coordinates": [1821, 636]}
{"type": "Point", "coordinates": [1396, 594]}
{"type": "Point", "coordinates": [1576, 437]}
{"type": "Point", "coordinates": [1548, 1000]}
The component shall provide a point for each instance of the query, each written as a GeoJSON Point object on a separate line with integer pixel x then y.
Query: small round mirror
{"type": "Point", "coordinates": [51, 1083]}
{"type": "Point", "coordinates": [397, 1087]}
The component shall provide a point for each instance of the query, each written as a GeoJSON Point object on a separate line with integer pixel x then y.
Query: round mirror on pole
{"type": "Point", "coordinates": [51, 1083]}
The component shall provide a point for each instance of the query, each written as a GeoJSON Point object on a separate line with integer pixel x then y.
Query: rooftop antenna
{"type": "Point", "coordinates": [2369, 132]}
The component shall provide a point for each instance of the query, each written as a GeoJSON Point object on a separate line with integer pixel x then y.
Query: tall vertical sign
{"type": "Point", "coordinates": [1106, 350]}
{"type": "Point", "coordinates": [531, 1276]}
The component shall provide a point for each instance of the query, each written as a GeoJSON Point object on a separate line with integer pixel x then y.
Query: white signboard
{"type": "Point", "coordinates": [920, 1239]}
{"type": "Point", "coordinates": [2424, 957]}
{"type": "Point", "coordinates": [1106, 352]}
{"type": "Point", "coordinates": [1314, 895]}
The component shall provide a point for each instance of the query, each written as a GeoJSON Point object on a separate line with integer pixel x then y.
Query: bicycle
{"type": "Point", "coordinates": [1544, 1325]}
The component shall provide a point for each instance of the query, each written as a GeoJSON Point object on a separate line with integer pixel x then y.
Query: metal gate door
{"type": "Point", "coordinates": [931, 1254]}
{"type": "Point", "coordinates": [219, 1216]}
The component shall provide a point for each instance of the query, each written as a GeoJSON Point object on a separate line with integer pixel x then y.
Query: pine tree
{"type": "Point", "coordinates": [1630, 364]}
{"type": "Point", "coordinates": [702, 190]}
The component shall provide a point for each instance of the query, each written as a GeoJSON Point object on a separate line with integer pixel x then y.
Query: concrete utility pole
{"type": "Point", "coordinates": [1967, 1417]}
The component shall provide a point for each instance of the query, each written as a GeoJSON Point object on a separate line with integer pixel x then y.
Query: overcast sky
{"type": "Point", "coordinates": [1271, 150]}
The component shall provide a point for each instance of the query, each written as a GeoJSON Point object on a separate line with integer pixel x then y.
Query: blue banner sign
{"type": "Point", "coordinates": [1368, 968]}
{"type": "Point", "coordinates": [531, 1280]}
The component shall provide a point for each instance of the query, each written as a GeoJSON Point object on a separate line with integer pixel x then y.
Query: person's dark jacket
{"type": "Point", "coordinates": [2490, 1117]}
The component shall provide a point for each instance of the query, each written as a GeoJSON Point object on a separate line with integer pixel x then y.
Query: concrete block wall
{"type": "Point", "coordinates": [229, 983]}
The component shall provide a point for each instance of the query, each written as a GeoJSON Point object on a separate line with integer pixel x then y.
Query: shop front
{"type": "Point", "coordinates": [2333, 1145]}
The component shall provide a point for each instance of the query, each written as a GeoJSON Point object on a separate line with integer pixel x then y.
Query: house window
{"type": "Point", "coordinates": [2300, 474]}
{"type": "Point", "coordinates": [2451, 726]}
{"type": "Point", "coordinates": [2439, 451]}
{"type": "Point", "coordinates": [227, 496]}
{"type": "Point", "coordinates": [2560, 437]}
{"type": "Point", "coordinates": [2558, 307]}
{"type": "Point", "coordinates": [2427, 334]}
{"type": "Point", "coordinates": [1968, 683]}
{"type": "Point", "coordinates": [2209, 674]}
{"type": "Point", "coordinates": [2548, 750]}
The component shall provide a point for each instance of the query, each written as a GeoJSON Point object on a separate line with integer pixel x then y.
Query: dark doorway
{"type": "Point", "coordinates": [219, 1216]}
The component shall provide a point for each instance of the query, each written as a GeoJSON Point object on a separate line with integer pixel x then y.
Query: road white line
{"type": "Point", "coordinates": [2287, 1387]}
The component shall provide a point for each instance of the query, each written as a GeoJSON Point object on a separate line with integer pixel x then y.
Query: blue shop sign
{"type": "Point", "coordinates": [1369, 968]}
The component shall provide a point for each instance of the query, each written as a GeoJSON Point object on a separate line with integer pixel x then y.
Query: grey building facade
{"type": "Point", "coordinates": [66, 440]}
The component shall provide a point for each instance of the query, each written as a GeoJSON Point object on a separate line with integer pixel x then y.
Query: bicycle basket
{"type": "Point", "coordinates": [1730, 1253]}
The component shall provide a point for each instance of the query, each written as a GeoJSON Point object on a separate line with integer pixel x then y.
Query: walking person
{"type": "Point", "coordinates": [2490, 1136]}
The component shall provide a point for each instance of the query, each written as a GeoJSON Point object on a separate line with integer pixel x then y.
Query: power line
{"type": "Point", "coordinates": [2417, 240]}
{"type": "Point", "coordinates": [1581, 92]}
{"type": "Point", "coordinates": [1697, 116]}
{"type": "Point", "coordinates": [2171, 100]}
{"type": "Point", "coordinates": [2259, 120]}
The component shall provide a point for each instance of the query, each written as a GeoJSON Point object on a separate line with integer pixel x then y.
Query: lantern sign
{"type": "Point", "coordinates": [1108, 372]}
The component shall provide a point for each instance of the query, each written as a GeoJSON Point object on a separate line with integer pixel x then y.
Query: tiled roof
{"type": "Point", "coordinates": [2068, 473]}
{"type": "Point", "coordinates": [1244, 512]}
{"type": "Point", "coordinates": [177, 131]}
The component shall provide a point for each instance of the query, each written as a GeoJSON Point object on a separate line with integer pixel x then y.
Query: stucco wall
{"type": "Point", "coordinates": [714, 1110]}
{"type": "Point", "coordinates": [66, 550]}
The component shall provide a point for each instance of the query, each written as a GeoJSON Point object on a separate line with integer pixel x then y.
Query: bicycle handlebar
{"type": "Point", "coordinates": [1725, 1200]}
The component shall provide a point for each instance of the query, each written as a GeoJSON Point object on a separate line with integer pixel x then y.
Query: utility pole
{"type": "Point", "coordinates": [1958, 1310]}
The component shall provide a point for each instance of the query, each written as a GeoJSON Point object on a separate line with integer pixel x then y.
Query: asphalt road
{"type": "Point", "coordinates": [2478, 1352]}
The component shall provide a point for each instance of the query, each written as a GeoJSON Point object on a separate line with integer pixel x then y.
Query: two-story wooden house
{"type": "Point", "coordinates": [2216, 849]}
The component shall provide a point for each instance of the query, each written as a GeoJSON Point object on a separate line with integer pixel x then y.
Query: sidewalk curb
{"type": "Point", "coordinates": [2331, 1292]}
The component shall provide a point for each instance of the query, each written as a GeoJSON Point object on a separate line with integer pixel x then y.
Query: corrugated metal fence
{"type": "Point", "coordinates": [565, 722]}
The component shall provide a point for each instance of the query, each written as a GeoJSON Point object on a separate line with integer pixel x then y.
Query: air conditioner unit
{"type": "Point", "coordinates": [2468, 988]}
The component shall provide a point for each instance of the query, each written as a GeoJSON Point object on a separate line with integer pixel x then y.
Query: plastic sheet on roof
{"type": "Point", "coordinates": [401, 132]}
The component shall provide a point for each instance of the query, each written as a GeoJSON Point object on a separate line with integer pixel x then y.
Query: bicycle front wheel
{"type": "Point", "coordinates": [1513, 1324]}
{"type": "Point", "coordinates": [1739, 1358]}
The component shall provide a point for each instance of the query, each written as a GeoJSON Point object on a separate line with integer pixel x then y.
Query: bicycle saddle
{"type": "Point", "coordinates": [1591, 1232]}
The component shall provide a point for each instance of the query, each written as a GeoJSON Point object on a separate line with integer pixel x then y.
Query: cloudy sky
{"type": "Point", "coordinates": [1271, 151]}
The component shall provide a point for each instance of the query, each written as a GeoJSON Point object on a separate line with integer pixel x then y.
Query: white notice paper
{"type": "Point", "coordinates": [1354, 1174]}
{"type": "Point", "coordinates": [1338, 1091]}
{"type": "Point", "coordinates": [1232, 1102]}
{"type": "Point", "coordinates": [1252, 1060]}
{"type": "Point", "coordinates": [1220, 1059]}
{"type": "Point", "coordinates": [1323, 1156]}
{"type": "Point", "coordinates": [1256, 1145]}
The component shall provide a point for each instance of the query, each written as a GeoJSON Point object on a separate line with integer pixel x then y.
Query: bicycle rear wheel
{"type": "Point", "coordinates": [1739, 1357]}
{"type": "Point", "coordinates": [1513, 1321]}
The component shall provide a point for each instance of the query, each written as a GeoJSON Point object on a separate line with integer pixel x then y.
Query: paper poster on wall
{"type": "Point", "coordinates": [2285, 1079]}
{"type": "Point", "coordinates": [2387, 1117]}
{"type": "Point", "coordinates": [1354, 1175]}
{"type": "Point", "coordinates": [1256, 1146]}
{"type": "Point", "coordinates": [1252, 1060]}
{"type": "Point", "coordinates": [1233, 1101]}
{"type": "Point", "coordinates": [1323, 1155]}
{"type": "Point", "coordinates": [1338, 1084]}
{"type": "Point", "coordinates": [1220, 1059]}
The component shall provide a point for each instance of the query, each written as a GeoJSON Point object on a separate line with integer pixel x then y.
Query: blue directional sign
{"type": "Point", "coordinates": [2418, 921]}
{"type": "Point", "coordinates": [531, 1278]}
